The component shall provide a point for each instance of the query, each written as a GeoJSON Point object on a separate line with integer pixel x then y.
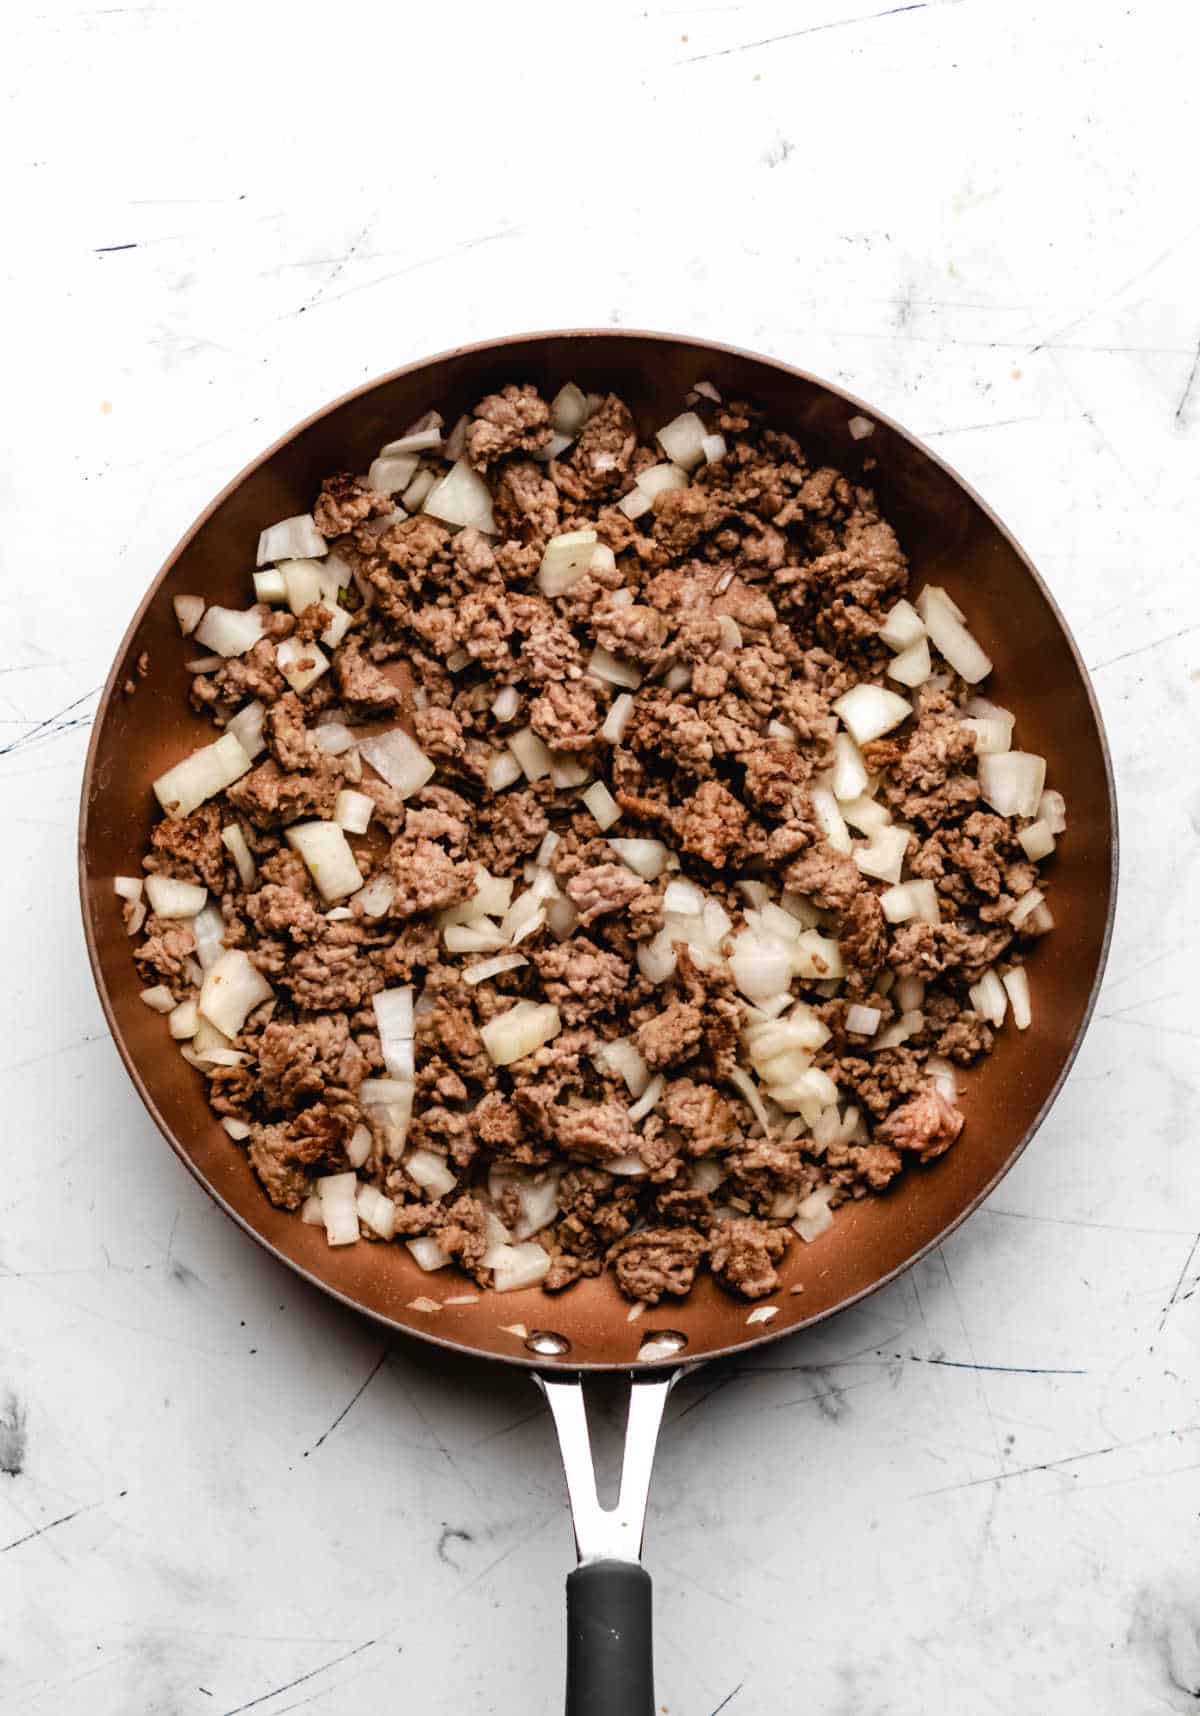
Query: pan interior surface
{"type": "Point", "coordinates": [950, 538]}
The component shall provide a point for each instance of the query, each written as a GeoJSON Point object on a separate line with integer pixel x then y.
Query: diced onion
{"type": "Point", "coordinates": [646, 858]}
{"type": "Point", "coordinates": [301, 664]}
{"type": "Point", "coordinates": [485, 968]}
{"type": "Point", "coordinates": [569, 409]}
{"type": "Point", "coordinates": [943, 622]}
{"type": "Point", "coordinates": [817, 957]}
{"type": "Point", "coordinates": [617, 719]}
{"type": "Point", "coordinates": [622, 1059]}
{"type": "Point", "coordinates": [159, 999]}
{"type": "Point", "coordinates": [270, 586]}
{"type": "Point", "coordinates": [989, 998]}
{"type": "Point", "coordinates": [865, 815]}
{"type": "Point", "coordinates": [506, 703]}
{"type": "Point", "coordinates": [565, 561]}
{"type": "Point", "coordinates": [302, 583]}
{"type": "Point", "coordinates": [394, 1019]}
{"type": "Point", "coordinates": [417, 492]}
{"type": "Point", "coordinates": [247, 728]}
{"type": "Point", "coordinates": [358, 1146]}
{"type": "Point", "coordinates": [503, 771]}
{"type": "Point", "coordinates": [902, 627]}
{"type": "Point", "coordinates": [171, 898]}
{"type": "Point", "coordinates": [602, 804]}
{"type": "Point", "coordinates": [515, 1267]}
{"type": "Point", "coordinates": [656, 959]}
{"type": "Point", "coordinates": [863, 1021]}
{"type": "Point", "coordinates": [353, 810]}
{"type": "Point", "coordinates": [912, 667]}
{"type": "Point", "coordinates": [860, 427]}
{"type": "Point", "coordinates": [235, 843]}
{"type": "Point", "coordinates": [329, 858]}
{"type": "Point", "coordinates": [231, 631]}
{"type": "Point", "coordinates": [391, 473]}
{"type": "Point", "coordinates": [900, 1030]}
{"type": "Point", "coordinates": [943, 1075]}
{"type": "Point", "coordinates": [635, 503]}
{"type": "Point", "coordinates": [742, 1081]}
{"type": "Point", "coordinates": [188, 611]}
{"type": "Point", "coordinates": [829, 815]}
{"type": "Point", "coordinates": [531, 753]}
{"type": "Point", "coordinates": [602, 664]}
{"type": "Point", "coordinates": [310, 1211]}
{"type": "Point", "coordinates": [399, 760]}
{"type": "Point", "coordinates": [519, 1032]}
{"type": "Point", "coordinates": [428, 1253]}
{"type": "Point", "coordinates": [208, 932]}
{"type": "Point", "coordinates": [204, 664]}
{"type": "Point", "coordinates": [1016, 982]}
{"type": "Point", "coordinates": [913, 899]}
{"type": "Point", "coordinates": [814, 1216]}
{"type": "Point", "coordinates": [237, 1129]}
{"type": "Point", "coordinates": [462, 497]}
{"type": "Point", "coordinates": [377, 896]}
{"type": "Point", "coordinates": [1012, 783]}
{"type": "Point", "coordinates": [649, 1097]}
{"type": "Point", "coordinates": [761, 965]}
{"type": "Point", "coordinates": [1025, 907]}
{"type": "Point", "coordinates": [566, 770]}
{"type": "Point", "coordinates": [232, 988]}
{"type": "Point", "coordinates": [850, 778]}
{"type": "Point", "coordinates": [762, 1314]}
{"type": "Point", "coordinates": [183, 1020]}
{"type": "Point", "coordinates": [884, 856]}
{"type": "Point", "coordinates": [658, 479]}
{"type": "Point", "coordinates": [992, 737]}
{"type": "Point", "coordinates": [128, 887]}
{"type": "Point", "coordinates": [334, 738]}
{"type": "Point", "coordinates": [713, 447]}
{"type": "Point", "coordinates": [291, 539]}
{"type": "Point", "coordinates": [376, 1210]}
{"type": "Point", "coordinates": [1037, 842]}
{"type": "Point", "coordinates": [682, 440]}
{"type": "Point", "coordinates": [481, 936]}
{"type": "Point", "coordinates": [135, 917]}
{"type": "Point", "coordinates": [562, 917]}
{"type": "Point", "coordinates": [431, 1172]}
{"type": "Point", "coordinates": [1052, 809]}
{"type": "Point", "coordinates": [201, 776]}
{"type": "Point", "coordinates": [870, 711]}
{"type": "Point", "coordinates": [339, 1207]}
{"type": "Point", "coordinates": [909, 993]}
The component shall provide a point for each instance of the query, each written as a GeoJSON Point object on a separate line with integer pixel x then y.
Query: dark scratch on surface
{"type": "Point", "coordinates": [1054, 1465]}
{"type": "Point", "coordinates": [1142, 649]}
{"type": "Point", "coordinates": [290, 1684]}
{"type": "Point", "coordinates": [12, 1438]}
{"type": "Point", "coordinates": [729, 1698]}
{"type": "Point", "coordinates": [353, 1400]}
{"type": "Point", "coordinates": [1187, 386]}
{"type": "Point", "coordinates": [451, 1534]}
{"type": "Point", "coordinates": [815, 30]}
{"type": "Point", "coordinates": [107, 249]}
{"type": "Point", "coordinates": [1174, 1299]}
{"type": "Point", "coordinates": [49, 723]}
{"type": "Point", "coordinates": [1007, 1369]}
{"type": "Point", "coordinates": [50, 1525]}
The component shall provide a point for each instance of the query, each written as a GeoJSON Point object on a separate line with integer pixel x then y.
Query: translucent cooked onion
{"type": "Point", "coordinates": [814, 1216]}
{"type": "Point", "coordinates": [602, 664]}
{"type": "Point", "coordinates": [829, 815]}
{"type": "Point", "coordinates": [566, 770]}
{"type": "Point", "coordinates": [485, 968]}
{"type": "Point", "coordinates": [682, 440]}
{"type": "Point", "coordinates": [1012, 783]}
{"type": "Point", "coordinates": [231, 631]}
{"type": "Point", "coordinates": [943, 1075]}
{"type": "Point", "coordinates": [1037, 842]}
{"type": "Point", "coordinates": [817, 957]}
{"type": "Point", "coordinates": [646, 858]}
{"type": "Point", "coordinates": [204, 664]}
{"type": "Point", "coordinates": [415, 495]}
{"type": "Point", "coordinates": [208, 932]}
{"type": "Point", "coordinates": [1052, 810]}
{"type": "Point", "coordinates": [866, 815]}
{"type": "Point", "coordinates": [391, 473]}
{"type": "Point", "coordinates": [394, 1019]}
{"type": "Point", "coordinates": [992, 737]}
{"type": "Point", "coordinates": [1025, 907]}
{"type": "Point", "coordinates": [622, 1059]}
{"type": "Point", "coordinates": [900, 1030]}
{"type": "Point", "coordinates": [863, 1021]}
{"type": "Point", "coordinates": [532, 754]}
{"type": "Point", "coordinates": [339, 1207]}
{"type": "Point", "coordinates": [201, 776]}
{"type": "Point", "coordinates": [462, 497]}
{"type": "Point", "coordinates": [376, 898]}
{"type": "Point", "coordinates": [713, 447]}
{"type": "Point", "coordinates": [913, 899]}
{"type": "Point", "coordinates": [236, 844]}
{"type": "Point", "coordinates": [870, 711]}
{"type": "Point", "coordinates": [291, 539]}
{"type": "Point", "coordinates": [479, 936]}
{"type": "Point", "coordinates": [602, 805]}
{"type": "Point", "coordinates": [523, 1029]}
{"type": "Point", "coordinates": [989, 998]}
{"type": "Point", "coordinates": [883, 857]}
{"type": "Point", "coordinates": [656, 959]}
{"type": "Point", "coordinates": [188, 612]}
{"type": "Point", "coordinates": [902, 627]}
{"type": "Point", "coordinates": [912, 667]}
{"type": "Point", "coordinates": [431, 1172]}
{"type": "Point", "coordinates": [301, 664]}
{"type": "Point", "coordinates": [506, 703]}
{"type": "Point", "coordinates": [741, 1081]}
{"type": "Point", "coordinates": [850, 779]}
{"type": "Point", "coordinates": [376, 1210]}
{"type": "Point", "coordinates": [658, 479]}
{"type": "Point", "coordinates": [269, 587]}
{"type": "Point", "coordinates": [561, 917]}
{"type": "Point", "coordinates": [333, 737]}
{"type": "Point", "coordinates": [159, 999]}
{"type": "Point", "coordinates": [328, 857]}
{"type": "Point", "coordinates": [171, 898]}
{"type": "Point", "coordinates": [515, 1267]}
{"type": "Point", "coordinates": [358, 1146]}
{"type": "Point", "coordinates": [399, 760]}
{"type": "Point", "coordinates": [1016, 982]}
{"type": "Point", "coordinates": [128, 887]}
{"type": "Point", "coordinates": [944, 623]}
{"type": "Point", "coordinates": [247, 728]}
{"type": "Point", "coordinates": [182, 1021]}
{"type": "Point", "coordinates": [565, 561]}
{"type": "Point", "coordinates": [428, 1253]}
{"type": "Point", "coordinates": [635, 503]}
{"type": "Point", "coordinates": [617, 719]}
{"type": "Point", "coordinates": [503, 771]}
{"type": "Point", "coordinates": [761, 965]}
{"type": "Point", "coordinates": [860, 427]}
{"type": "Point", "coordinates": [569, 409]}
{"type": "Point", "coordinates": [301, 583]}
{"type": "Point", "coordinates": [232, 988]}
{"type": "Point", "coordinates": [647, 1100]}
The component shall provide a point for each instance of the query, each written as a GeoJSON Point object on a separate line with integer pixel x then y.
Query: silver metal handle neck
{"type": "Point", "coordinates": [608, 1534]}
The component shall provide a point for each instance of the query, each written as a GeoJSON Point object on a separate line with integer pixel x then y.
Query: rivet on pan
{"type": "Point", "coordinates": [663, 1343]}
{"type": "Point", "coordinates": [547, 1344]}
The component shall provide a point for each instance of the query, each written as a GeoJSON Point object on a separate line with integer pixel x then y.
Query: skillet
{"type": "Point", "coordinates": [952, 539]}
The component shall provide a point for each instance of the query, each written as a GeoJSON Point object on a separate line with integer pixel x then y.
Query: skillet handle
{"type": "Point", "coordinates": [610, 1652]}
{"type": "Point", "coordinates": [610, 1663]}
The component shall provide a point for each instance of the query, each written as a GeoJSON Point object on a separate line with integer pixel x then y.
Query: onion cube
{"type": "Point", "coordinates": [188, 611]}
{"type": "Point", "coordinates": [201, 776]}
{"type": "Point", "coordinates": [170, 898]}
{"type": "Point", "coordinates": [523, 1029]}
{"type": "Point", "coordinates": [1012, 782]}
{"type": "Point", "coordinates": [291, 539]}
{"type": "Point", "coordinates": [566, 559]}
{"type": "Point", "coordinates": [602, 804]}
{"type": "Point", "coordinates": [339, 1207]}
{"type": "Point", "coordinates": [902, 627]}
{"type": "Point", "coordinates": [944, 623]}
{"type": "Point", "coordinates": [462, 497]}
{"type": "Point", "coordinates": [301, 664]}
{"type": "Point", "coordinates": [247, 727]}
{"type": "Point", "coordinates": [870, 711]}
{"type": "Point", "coordinates": [231, 631]}
{"type": "Point", "coordinates": [233, 986]}
{"type": "Point", "coordinates": [682, 440]}
{"type": "Point", "coordinates": [329, 858]}
{"type": "Point", "coordinates": [353, 810]}
{"type": "Point", "coordinates": [912, 667]}
{"type": "Point", "coordinates": [1036, 841]}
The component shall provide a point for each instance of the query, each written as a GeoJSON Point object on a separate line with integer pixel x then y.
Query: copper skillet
{"type": "Point", "coordinates": [951, 538]}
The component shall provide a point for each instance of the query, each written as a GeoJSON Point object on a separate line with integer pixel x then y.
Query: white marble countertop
{"type": "Point", "coordinates": [978, 1492]}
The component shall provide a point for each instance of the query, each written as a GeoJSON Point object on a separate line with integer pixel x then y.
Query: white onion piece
{"type": "Point", "coordinates": [399, 760]}
{"type": "Point", "coordinates": [860, 427]}
{"type": "Point", "coordinates": [649, 1097]}
{"type": "Point", "coordinates": [291, 539]}
{"type": "Point", "coordinates": [602, 664]}
{"type": "Point", "coordinates": [902, 627]}
{"type": "Point", "coordinates": [811, 1088]}
{"type": "Point", "coordinates": [201, 776]}
{"type": "Point", "coordinates": [339, 1207]}
{"type": "Point", "coordinates": [678, 677]}
{"type": "Point", "coordinates": [232, 988]}
{"type": "Point", "coordinates": [1012, 783]}
{"type": "Point", "coordinates": [731, 632]}
{"type": "Point", "coordinates": [944, 623]}
{"type": "Point", "coordinates": [537, 1198]}
{"type": "Point", "coordinates": [561, 917]}
{"type": "Point", "coordinates": [310, 1211]}
{"type": "Point", "coordinates": [684, 897]}
{"type": "Point", "coordinates": [159, 999]}
{"type": "Point", "coordinates": [900, 1030]}
{"type": "Point", "coordinates": [417, 492]}
{"type": "Point", "coordinates": [247, 728]}
{"type": "Point", "coordinates": [171, 898]}
{"type": "Point", "coordinates": [756, 892]}
{"type": "Point", "coordinates": [376, 898]}
{"type": "Point", "coordinates": [1052, 809]}
{"type": "Point", "coordinates": [569, 409]}
{"type": "Point", "coordinates": [865, 815]}
{"type": "Point", "coordinates": [602, 805]}
{"type": "Point", "coordinates": [622, 1059]}
{"type": "Point", "coordinates": [870, 711]}
{"type": "Point", "coordinates": [188, 611]}
{"type": "Point", "coordinates": [1036, 841]}
{"type": "Point", "coordinates": [989, 998]}
{"type": "Point", "coordinates": [658, 479]}
{"type": "Point", "coordinates": [617, 719]}
{"type": "Point", "coordinates": [431, 1172]}
{"type": "Point", "coordinates": [565, 561]}
{"type": "Point", "coordinates": [530, 927]}
{"type": "Point", "coordinates": [814, 1216]}
{"type": "Point", "coordinates": [394, 1019]}
{"type": "Point", "coordinates": [804, 912]}
{"type": "Point", "coordinates": [863, 1021]}
{"type": "Point", "coordinates": [992, 737]}
{"type": "Point", "coordinates": [629, 1167]}
{"type": "Point", "coordinates": [462, 497]}
{"type": "Point", "coordinates": [481, 936]}
{"type": "Point", "coordinates": [741, 1081]}
{"type": "Point", "coordinates": [358, 1146]}
{"type": "Point", "coordinates": [135, 917]}
{"type": "Point", "coordinates": [761, 965]}
{"type": "Point", "coordinates": [515, 1267]}
{"type": "Point", "coordinates": [376, 1210]}
{"type": "Point", "coordinates": [128, 887]}
{"type": "Point", "coordinates": [333, 737]}
{"type": "Point", "coordinates": [635, 503]}
{"type": "Point", "coordinates": [912, 667]}
{"type": "Point", "coordinates": [231, 631]}
{"type": "Point", "coordinates": [707, 391]}
{"type": "Point", "coordinates": [656, 959]}
{"type": "Point", "coordinates": [531, 753]}
{"type": "Point", "coordinates": [506, 703]}
{"type": "Point", "coordinates": [415, 441]}
{"type": "Point", "coordinates": [428, 1253]}
{"type": "Point", "coordinates": [943, 1075]}
{"type": "Point", "coordinates": [566, 770]}
{"type": "Point", "coordinates": [713, 447]}
{"type": "Point", "coordinates": [235, 843]}
{"type": "Point", "coordinates": [850, 778]}
{"type": "Point", "coordinates": [646, 858]}
{"type": "Point", "coordinates": [909, 993]}
{"type": "Point", "coordinates": [503, 771]}
{"type": "Point", "coordinates": [485, 968]}
{"type": "Point", "coordinates": [492, 897]}
{"type": "Point", "coordinates": [301, 583]}
{"type": "Point", "coordinates": [523, 1029]}
{"type": "Point", "coordinates": [204, 664]}
{"type": "Point", "coordinates": [802, 1029]}
{"type": "Point", "coordinates": [682, 440]}
{"type": "Point", "coordinates": [817, 957]}
{"type": "Point", "coordinates": [301, 664]}
{"type": "Point", "coordinates": [183, 1020]}
{"type": "Point", "coordinates": [208, 932]}
{"type": "Point", "coordinates": [884, 856]}
{"type": "Point", "coordinates": [1025, 907]}
{"type": "Point", "coordinates": [762, 1314]}
{"type": "Point", "coordinates": [829, 815]}
{"type": "Point", "coordinates": [353, 810]}
{"type": "Point", "coordinates": [913, 899]}
{"type": "Point", "coordinates": [340, 622]}
{"type": "Point", "coordinates": [328, 857]}
{"type": "Point", "coordinates": [1016, 982]}
{"type": "Point", "coordinates": [545, 852]}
